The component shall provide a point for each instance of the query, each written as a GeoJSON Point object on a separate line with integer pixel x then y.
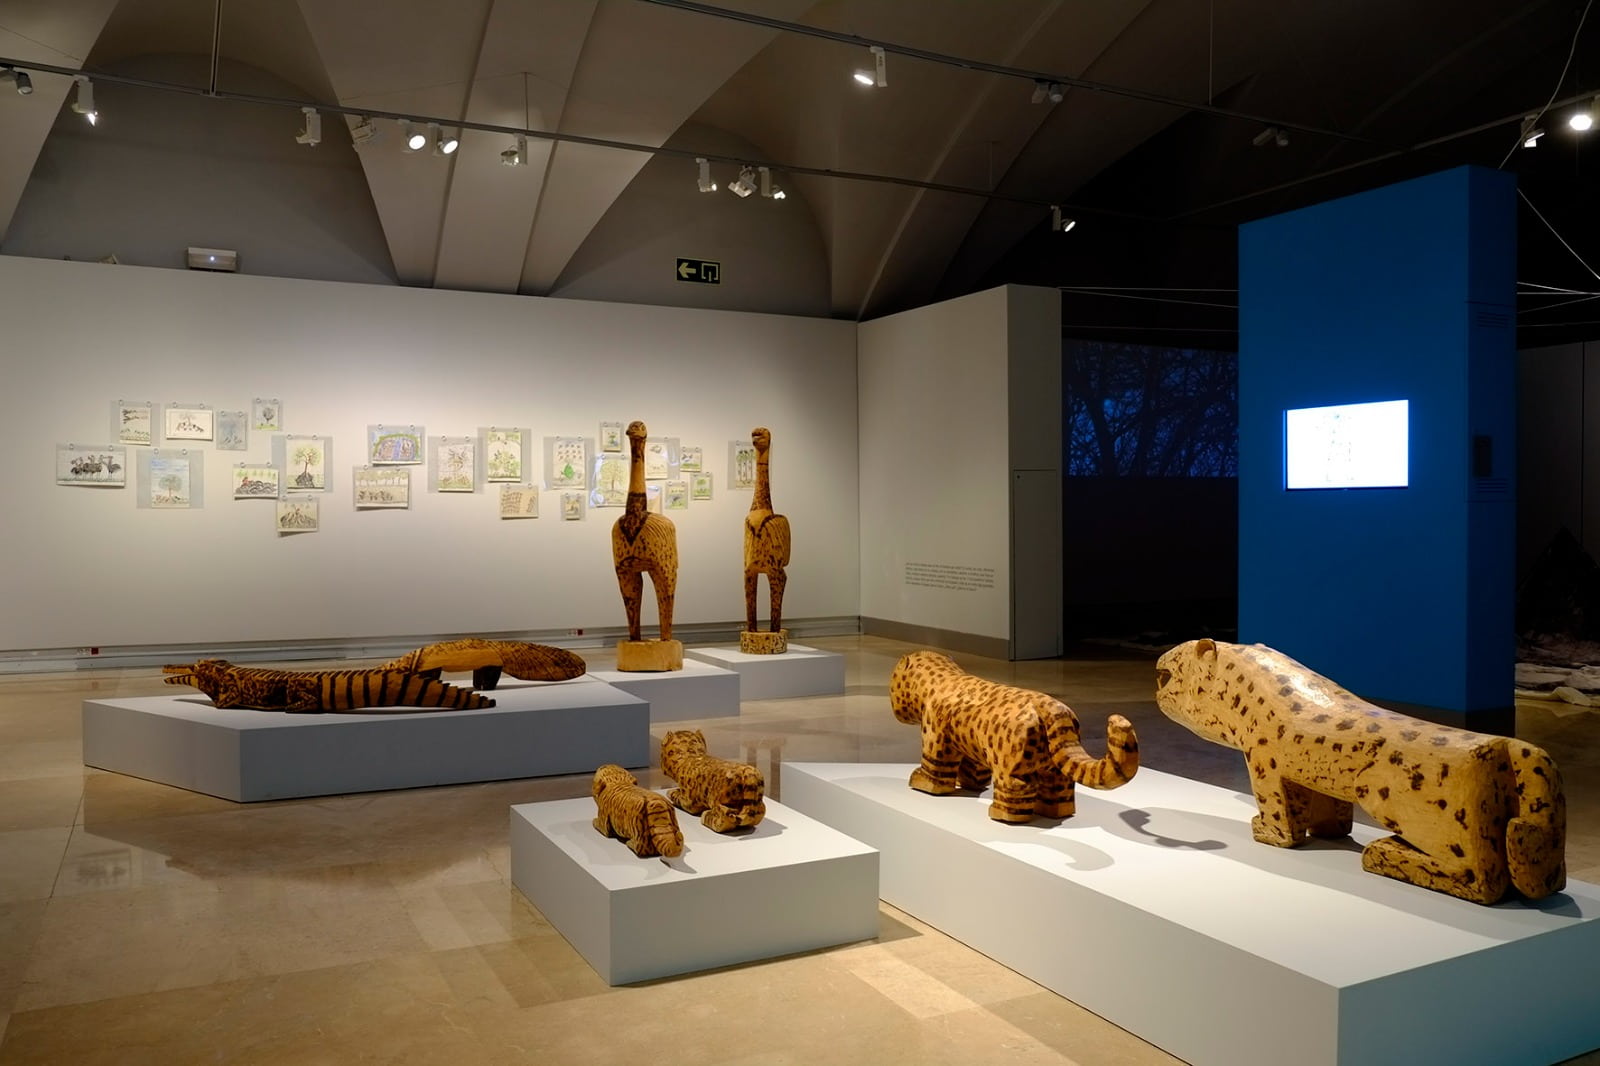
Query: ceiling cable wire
{"type": "Point", "coordinates": [216, 45]}
{"type": "Point", "coordinates": [1558, 236]}
{"type": "Point", "coordinates": [1533, 123]}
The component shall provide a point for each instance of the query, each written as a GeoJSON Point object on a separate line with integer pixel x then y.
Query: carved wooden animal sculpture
{"type": "Point", "coordinates": [1028, 742]}
{"type": "Point", "coordinates": [312, 691]}
{"type": "Point", "coordinates": [766, 551]}
{"type": "Point", "coordinates": [726, 794]}
{"type": "Point", "coordinates": [644, 543]}
{"type": "Point", "coordinates": [640, 818]}
{"type": "Point", "coordinates": [1471, 813]}
{"type": "Point", "coordinates": [487, 658]}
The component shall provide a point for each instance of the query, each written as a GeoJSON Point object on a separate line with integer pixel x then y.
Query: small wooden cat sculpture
{"type": "Point", "coordinates": [726, 794]}
{"type": "Point", "coordinates": [639, 817]}
{"type": "Point", "coordinates": [1028, 741]}
{"type": "Point", "coordinates": [1472, 814]}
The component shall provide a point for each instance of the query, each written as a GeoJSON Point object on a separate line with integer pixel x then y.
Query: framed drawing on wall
{"type": "Point", "coordinates": [610, 480]}
{"type": "Point", "coordinates": [252, 481]}
{"type": "Point", "coordinates": [233, 431]}
{"type": "Point", "coordinates": [677, 495]}
{"type": "Point", "coordinates": [181, 421]}
{"type": "Point", "coordinates": [304, 461]}
{"type": "Point", "coordinates": [689, 459]}
{"type": "Point", "coordinates": [394, 445]}
{"type": "Point", "coordinates": [505, 452]}
{"type": "Point", "coordinates": [519, 501]}
{"type": "Point", "coordinates": [171, 479]}
{"type": "Point", "coordinates": [611, 436]}
{"type": "Point", "coordinates": [298, 514]}
{"type": "Point", "coordinates": [741, 465]}
{"type": "Point", "coordinates": [572, 506]}
{"type": "Point", "coordinates": [130, 421]}
{"type": "Point", "coordinates": [381, 486]}
{"type": "Point", "coordinates": [455, 464]}
{"type": "Point", "coordinates": [566, 463]}
{"type": "Point", "coordinates": [700, 486]}
{"type": "Point", "coordinates": [104, 465]}
{"type": "Point", "coordinates": [266, 414]}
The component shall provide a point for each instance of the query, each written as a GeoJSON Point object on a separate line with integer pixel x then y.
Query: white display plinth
{"type": "Point", "coordinates": [534, 730]}
{"type": "Point", "coordinates": [699, 690]}
{"type": "Point", "coordinates": [800, 671]}
{"type": "Point", "coordinates": [1154, 908]}
{"type": "Point", "coordinates": [789, 884]}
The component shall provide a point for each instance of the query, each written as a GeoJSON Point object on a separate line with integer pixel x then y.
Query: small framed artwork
{"type": "Point", "coordinates": [455, 464]}
{"type": "Point", "coordinates": [566, 459]}
{"type": "Point", "coordinates": [304, 461]}
{"type": "Point", "coordinates": [298, 514]}
{"type": "Point", "coordinates": [652, 497]}
{"type": "Point", "coordinates": [252, 481]}
{"type": "Point", "coordinates": [700, 486]}
{"type": "Point", "coordinates": [188, 422]}
{"type": "Point", "coordinates": [233, 431]}
{"type": "Point", "coordinates": [381, 487]}
{"type": "Point", "coordinates": [505, 452]}
{"type": "Point", "coordinates": [677, 493]}
{"type": "Point", "coordinates": [689, 459]}
{"type": "Point", "coordinates": [741, 465]}
{"type": "Point", "coordinates": [172, 479]}
{"type": "Point", "coordinates": [266, 414]}
{"type": "Point", "coordinates": [130, 421]}
{"type": "Point", "coordinates": [104, 465]}
{"type": "Point", "coordinates": [660, 456]}
{"type": "Point", "coordinates": [394, 445]}
{"type": "Point", "coordinates": [519, 501]}
{"type": "Point", "coordinates": [572, 506]}
{"type": "Point", "coordinates": [610, 485]}
{"type": "Point", "coordinates": [611, 436]}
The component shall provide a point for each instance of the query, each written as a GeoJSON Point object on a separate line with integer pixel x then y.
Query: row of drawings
{"type": "Point", "coordinates": [136, 422]}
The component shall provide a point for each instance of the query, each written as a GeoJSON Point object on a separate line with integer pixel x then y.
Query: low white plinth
{"type": "Point", "coordinates": [699, 690]}
{"type": "Point", "coordinates": [534, 730]}
{"type": "Point", "coordinates": [789, 884]}
{"type": "Point", "coordinates": [800, 671]}
{"type": "Point", "coordinates": [1155, 909]}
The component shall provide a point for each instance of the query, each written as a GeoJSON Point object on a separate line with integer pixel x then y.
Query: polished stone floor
{"type": "Point", "coordinates": [145, 924]}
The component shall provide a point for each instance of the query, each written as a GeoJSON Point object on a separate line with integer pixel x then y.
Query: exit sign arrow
{"type": "Point", "coordinates": [703, 271]}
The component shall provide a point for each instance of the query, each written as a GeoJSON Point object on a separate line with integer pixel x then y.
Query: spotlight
{"type": "Point", "coordinates": [411, 137]}
{"type": "Point", "coordinates": [1047, 90]}
{"type": "Point", "coordinates": [768, 189]}
{"type": "Point", "coordinates": [1271, 135]}
{"type": "Point", "coordinates": [1059, 224]}
{"type": "Point", "coordinates": [879, 74]}
{"type": "Point", "coordinates": [84, 104]}
{"type": "Point", "coordinates": [312, 134]}
{"type": "Point", "coordinates": [23, 82]}
{"type": "Point", "coordinates": [1530, 134]}
{"type": "Point", "coordinates": [706, 184]}
{"type": "Point", "coordinates": [1584, 120]}
{"type": "Point", "coordinates": [363, 132]}
{"type": "Point", "coordinates": [517, 154]}
{"type": "Point", "coordinates": [443, 143]}
{"type": "Point", "coordinates": [746, 183]}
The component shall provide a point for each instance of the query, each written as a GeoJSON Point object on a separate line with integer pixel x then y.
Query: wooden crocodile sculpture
{"type": "Point", "coordinates": [487, 658]}
{"type": "Point", "coordinates": [313, 691]}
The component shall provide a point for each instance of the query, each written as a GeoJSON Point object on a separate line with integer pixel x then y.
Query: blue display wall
{"type": "Point", "coordinates": [1402, 595]}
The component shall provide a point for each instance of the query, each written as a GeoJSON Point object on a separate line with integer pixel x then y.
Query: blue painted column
{"type": "Point", "coordinates": [1402, 595]}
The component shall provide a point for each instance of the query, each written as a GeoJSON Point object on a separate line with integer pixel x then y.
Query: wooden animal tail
{"type": "Point", "coordinates": [1536, 835]}
{"type": "Point", "coordinates": [429, 692]}
{"type": "Point", "coordinates": [662, 825]}
{"type": "Point", "coordinates": [539, 662]}
{"type": "Point", "coordinates": [1116, 767]}
{"type": "Point", "coordinates": [350, 690]}
{"type": "Point", "coordinates": [180, 675]}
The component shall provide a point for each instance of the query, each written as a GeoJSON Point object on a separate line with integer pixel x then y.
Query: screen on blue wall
{"type": "Point", "coordinates": [1350, 446]}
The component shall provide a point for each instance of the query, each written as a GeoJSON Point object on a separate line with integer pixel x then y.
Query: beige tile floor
{"type": "Point", "coordinates": [144, 924]}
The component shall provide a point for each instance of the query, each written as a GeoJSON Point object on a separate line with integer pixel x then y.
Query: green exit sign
{"type": "Point", "coordinates": [703, 271]}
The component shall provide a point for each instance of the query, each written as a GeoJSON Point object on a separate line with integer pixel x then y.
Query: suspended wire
{"type": "Point", "coordinates": [1572, 51]}
{"type": "Point", "coordinates": [1557, 236]}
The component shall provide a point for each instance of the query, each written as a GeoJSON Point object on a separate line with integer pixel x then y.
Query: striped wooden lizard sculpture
{"type": "Point", "coordinates": [313, 691]}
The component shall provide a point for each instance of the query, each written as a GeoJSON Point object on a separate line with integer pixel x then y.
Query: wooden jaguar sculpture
{"type": "Point", "coordinates": [639, 817]}
{"type": "Point", "coordinates": [1471, 814]}
{"type": "Point", "coordinates": [644, 543]}
{"type": "Point", "coordinates": [312, 691]}
{"type": "Point", "coordinates": [766, 551]}
{"type": "Point", "coordinates": [488, 658]}
{"type": "Point", "coordinates": [726, 794]}
{"type": "Point", "coordinates": [1028, 742]}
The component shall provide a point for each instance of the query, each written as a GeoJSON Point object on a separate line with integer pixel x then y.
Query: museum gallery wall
{"type": "Point", "coordinates": [87, 567]}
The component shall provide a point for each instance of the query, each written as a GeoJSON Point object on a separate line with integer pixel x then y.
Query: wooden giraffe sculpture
{"type": "Point", "coordinates": [766, 551]}
{"type": "Point", "coordinates": [644, 543]}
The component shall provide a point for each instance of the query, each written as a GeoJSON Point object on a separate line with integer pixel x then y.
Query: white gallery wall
{"type": "Point", "coordinates": [961, 473]}
{"type": "Point", "coordinates": [84, 567]}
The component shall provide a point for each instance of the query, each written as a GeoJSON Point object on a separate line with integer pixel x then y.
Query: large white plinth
{"type": "Point", "coordinates": [533, 730]}
{"type": "Point", "coordinates": [789, 884]}
{"type": "Point", "coordinates": [699, 690]}
{"type": "Point", "coordinates": [800, 671]}
{"type": "Point", "coordinates": [1155, 909]}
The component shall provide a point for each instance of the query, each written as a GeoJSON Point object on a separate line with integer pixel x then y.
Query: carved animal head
{"type": "Point", "coordinates": [1188, 691]}
{"type": "Point", "coordinates": [203, 674]}
{"type": "Point", "coordinates": [611, 776]}
{"type": "Point", "coordinates": [908, 684]}
{"type": "Point", "coordinates": [636, 431]}
{"type": "Point", "coordinates": [680, 742]}
{"type": "Point", "coordinates": [761, 437]}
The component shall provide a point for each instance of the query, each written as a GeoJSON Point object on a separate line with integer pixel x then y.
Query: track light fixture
{"type": "Point", "coordinates": [746, 183]}
{"type": "Point", "coordinates": [1047, 90]}
{"type": "Point", "coordinates": [879, 75]}
{"type": "Point", "coordinates": [411, 137]}
{"type": "Point", "coordinates": [1584, 120]}
{"type": "Point", "coordinates": [768, 188]}
{"type": "Point", "coordinates": [1271, 135]}
{"type": "Point", "coordinates": [363, 132]}
{"type": "Point", "coordinates": [705, 182]}
{"type": "Point", "coordinates": [1058, 223]}
{"type": "Point", "coordinates": [84, 104]}
{"type": "Point", "coordinates": [21, 79]}
{"type": "Point", "coordinates": [1530, 132]}
{"type": "Point", "coordinates": [443, 143]}
{"type": "Point", "coordinates": [312, 133]}
{"type": "Point", "coordinates": [517, 154]}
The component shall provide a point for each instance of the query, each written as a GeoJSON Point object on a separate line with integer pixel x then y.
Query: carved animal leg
{"type": "Point", "coordinates": [776, 580]}
{"type": "Point", "coordinates": [485, 678]}
{"type": "Point", "coordinates": [1014, 799]}
{"type": "Point", "coordinates": [751, 577]}
{"type": "Point", "coordinates": [719, 819]}
{"type": "Point", "coordinates": [602, 825]}
{"type": "Point", "coordinates": [972, 775]}
{"type": "Point", "coordinates": [1057, 795]}
{"type": "Point", "coordinates": [937, 775]}
{"type": "Point", "coordinates": [752, 814]}
{"type": "Point", "coordinates": [665, 586]}
{"type": "Point", "coordinates": [1273, 825]}
{"type": "Point", "coordinates": [1478, 883]}
{"type": "Point", "coordinates": [632, 584]}
{"type": "Point", "coordinates": [1314, 813]}
{"type": "Point", "coordinates": [640, 845]}
{"type": "Point", "coordinates": [681, 799]}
